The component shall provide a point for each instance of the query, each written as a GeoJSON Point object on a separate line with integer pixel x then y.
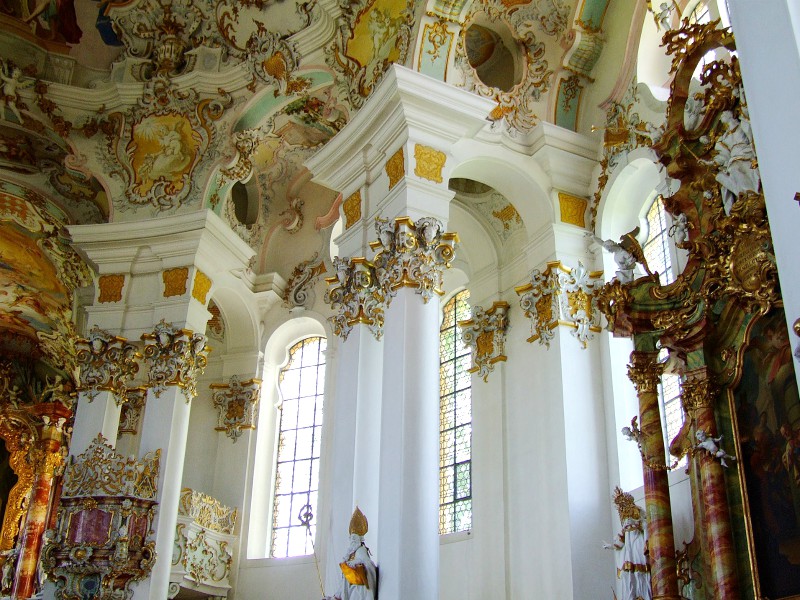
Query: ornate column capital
{"type": "Point", "coordinates": [645, 371]}
{"type": "Point", "coordinates": [412, 255]}
{"type": "Point", "coordinates": [237, 405]}
{"type": "Point", "coordinates": [107, 364]}
{"type": "Point", "coordinates": [562, 296]}
{"type": "Point", "coordinates": [357, 294]}
{"type": "Point", "coordinates": [697, 390]}
{"type": "Point", "coordinates": [485, 335]}
{"type": "Point", "coordinates": [175, 357]}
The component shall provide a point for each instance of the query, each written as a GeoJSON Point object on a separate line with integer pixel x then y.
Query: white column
{"type": "Point", "coordinates": [767, 41]}
{"type": "Point", "coordinates": [408, 548]}
{"type": "Point", "coordinates": [93, 416]}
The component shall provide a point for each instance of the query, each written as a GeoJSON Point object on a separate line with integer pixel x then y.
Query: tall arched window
{"type": "Point", "coordinates": [455, 420]}
{"type": "Point", "coordinates": [302, 384]}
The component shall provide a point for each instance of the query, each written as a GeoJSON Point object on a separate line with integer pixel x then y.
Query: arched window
{"type": "Point", "coordinates": [455, 420]}
{"type": "Point", "coordinates": [302, 384]}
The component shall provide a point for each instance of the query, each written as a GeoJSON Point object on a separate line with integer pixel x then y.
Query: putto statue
{"type": "Point", "coordinates": [711, 445]}
{"type": "Point", "coordinates": [359, 574]}
{"type": "Point", "coordinates": [632, 568]}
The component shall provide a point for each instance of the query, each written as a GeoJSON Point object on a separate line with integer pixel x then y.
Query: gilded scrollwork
{"type": "Point", "coordinates": [237, 405]}
{"type": "Point", "coordinates": [357, 296]}
{"type": "Point", "coordinates": [485, 335]}
{"type": "Point", "coordinates": [562, 296]}
{"type": "Point", "coordinates": [175, 357]}
{"type": "Point", "coordinates": [107, 363]}
{"type": "Point", "coordinates": [207, 512]}
{"type": "Point", "coordinates": [412, 255]}
{"type": "Point", "coordinates": [105, 516]}
{"type": "Point", "coordinates": [100, 471]}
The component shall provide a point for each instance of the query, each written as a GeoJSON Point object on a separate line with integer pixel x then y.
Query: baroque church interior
{"type": "Point", "coordinates": [407, 299]}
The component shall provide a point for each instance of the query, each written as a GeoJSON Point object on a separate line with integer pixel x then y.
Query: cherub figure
{"type": "Point", "coordinates": [10, 76]}
{"type": "Point", "coordinates": [711, 445]}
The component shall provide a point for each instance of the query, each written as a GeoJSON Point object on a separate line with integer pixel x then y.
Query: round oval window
{"type": "Point", "coordinates": [489, 54]}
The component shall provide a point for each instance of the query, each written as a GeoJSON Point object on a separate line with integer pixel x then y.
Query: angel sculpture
{"type": "Point", "coordinates": [10, 76]}
{"type": "Point", "coordinates": [711, 445]}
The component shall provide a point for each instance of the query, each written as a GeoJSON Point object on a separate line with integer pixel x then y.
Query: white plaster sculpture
{"type": "Point", "coordinates": [359, 574]}
{"type": "Point", "coordinates": [736, 157]}
{"type": "Point", "coordinates": [711, 445]}
{"type": "Point", "coordinates": [632, 568]}
{"type": "Point", "coordinates": [680, 229]}
{"type": "Point", "coordinates": [626, 261]}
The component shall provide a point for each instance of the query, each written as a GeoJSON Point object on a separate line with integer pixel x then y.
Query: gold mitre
{"type": "Point", "coordinates": [626, 507]}
{"type": "Point", "coordinates": [358, 523]}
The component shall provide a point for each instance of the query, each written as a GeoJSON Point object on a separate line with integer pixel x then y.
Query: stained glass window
{"type": "Point", "coordinates": [455, 420]}
{"type": "Point", "coordinates": [302, 384]}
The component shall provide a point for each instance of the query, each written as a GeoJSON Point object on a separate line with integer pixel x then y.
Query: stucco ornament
{"type": "Point", "coordinates": [562, 296]}
{"type": "Point", "coordinates": [485, 335]}
{"type": "Point", "coordinates": [237, 405]}
{"type": "Point", "coordinates": [174, 357]}
{"type": "Point", "coordinates": [107, 363]}
{"type": "Point", "coordinates": [412, 255]}
{"type": "Point", "coordinates": [355, 293]}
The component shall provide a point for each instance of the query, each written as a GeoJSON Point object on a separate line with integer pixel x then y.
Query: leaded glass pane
{"type": "Point", "coordinates": [297, 473]}
{"type": "Point", "coordinates": [455, 441]}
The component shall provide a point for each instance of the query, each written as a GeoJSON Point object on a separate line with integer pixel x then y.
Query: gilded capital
{"type": "Point", "coordinates": [357, 296]}
{"type": "Point", "coordinates": [174, 357]}
{"type": "Point", "coordinates": [131, 412]}
{"type": "Point", "coordinates": [107, 364]}
{"type": "Point", "coordinates": [645, 371]}
{"type": "Point", "coordinates": [560, 295]}
{"type": "Point", "coordinates": [237, 405]}
{"type": "Point", "coordinates": [697, 390]}
{"type": "Point", "coordinates": [485, 335]}
{"type": "Point", "coordinates": [412, 255]}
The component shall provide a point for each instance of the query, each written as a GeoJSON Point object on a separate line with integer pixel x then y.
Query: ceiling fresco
{"type": "Point", "coordinates": [119, 110]}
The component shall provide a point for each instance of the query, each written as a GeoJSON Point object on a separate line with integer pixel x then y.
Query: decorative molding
{"type": "Point", "coordinates": [110, 287]}
{"type": "Point", "coordinates": [573, 209]}
{"type": "Point", "coordinates": [352, 209]}
{"type": "Point", "coordinates": [412, 255]}
{"type": "Point", "coordinates": [201, 287]}
{"type": "Point", "coordinates": [485, 335]}
{"type": "Point", "coordinates": [130, 414]}
{"type": "Point", "coordinates": [429, 163]}
{"type": "Point", "coordinates": [562, 296]}
{"type": "Point", "coordinates": [300, 287]}
{"type": "Point", "coordinates": [357, 296]}
{"type": "Point", "coordinates": [396, 167]}
{"type": "Point", "coordinates": [175, 357]}
{"type": "Point", "coordinates": [105, 515]}
{"type": "Point", "coordinates": [107, 363]}
{"type": "Point", "coordinates": [237, 405]}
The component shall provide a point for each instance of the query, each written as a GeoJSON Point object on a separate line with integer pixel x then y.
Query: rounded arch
{"type": "Point", "coordinates": [629, 187]}
{"type": "Point", "coordinates": [523, 186]}
{"type": "Point", "coordinates": [239, 318]}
